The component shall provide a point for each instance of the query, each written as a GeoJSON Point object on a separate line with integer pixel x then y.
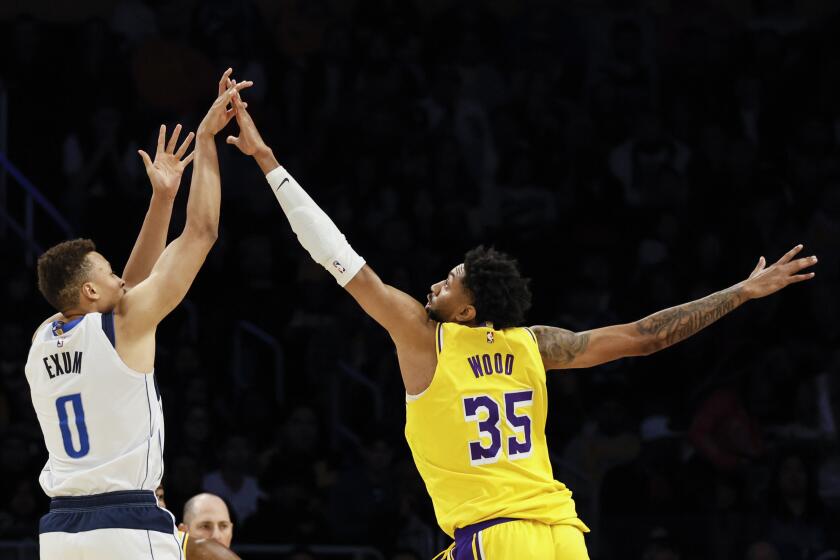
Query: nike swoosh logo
{"type": "Point", "coordinates": [283, 182]}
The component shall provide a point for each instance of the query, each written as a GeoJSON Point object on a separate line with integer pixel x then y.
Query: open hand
{"type": "Point", "coordinates": [219, 114]}
{"type": "Point", "coordinates": [765, 281]}
{"type": "Point", "coordinates": [166, 170]}
{"type": "Point", "coordinates": [249, 140]}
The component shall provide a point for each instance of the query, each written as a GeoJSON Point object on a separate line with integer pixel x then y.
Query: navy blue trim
{"type": "Point", "coordinates": [157, 389]}
{"type": "Point", "coordinates": [149, 441]}
{"type": "Point", "coordinates": [149, 538]}
{"type": "Point", "coordinates": [464, 537]}
{"type": "Point", "coordinates": [180, 545]}
{"type": "Point", "coordinates": [60, 327]}
{"type": "Point", "coordinates": [131, 509]}
{"type": "Point", "coordinates": [108, 328]}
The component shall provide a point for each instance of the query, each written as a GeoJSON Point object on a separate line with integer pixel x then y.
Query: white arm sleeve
{"type": "Point", "coordinates": [314, 229]}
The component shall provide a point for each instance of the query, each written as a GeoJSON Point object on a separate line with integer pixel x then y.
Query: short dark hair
{"type": "Point", "coordinates": [61, 271]}
{"type": "Point", "coordinates": [499, 292]}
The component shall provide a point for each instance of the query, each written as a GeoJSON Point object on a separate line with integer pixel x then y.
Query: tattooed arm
{"type": "Point", "coordinates": [561, 348]}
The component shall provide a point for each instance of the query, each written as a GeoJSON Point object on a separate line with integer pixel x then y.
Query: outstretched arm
{"type": "Point", "coordinates": [173, 273]}
{"type": "Point", "coordinates": [165, 175]}
{"type": "Point", "coordinates": [561, 348]}
{"type": "Point", "coordinates": [401, 315]}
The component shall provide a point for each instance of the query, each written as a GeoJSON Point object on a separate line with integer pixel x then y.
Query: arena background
{"type": "Point", "coordinates": [632, 154]}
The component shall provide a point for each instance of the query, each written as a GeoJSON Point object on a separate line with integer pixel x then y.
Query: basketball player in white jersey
{"type": "Point", "coordinates": [91, 366]}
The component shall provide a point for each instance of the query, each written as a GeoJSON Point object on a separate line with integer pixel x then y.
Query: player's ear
{"type": "Point", "coordinates": [183, 528]}
{"type": "Point", "coordinates": [466, 314]}
{"type": "Point", "coordinates": [89, 291]}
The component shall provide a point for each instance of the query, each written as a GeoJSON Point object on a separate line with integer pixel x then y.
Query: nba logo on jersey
{"type": "Point", "coordinates": [490, 339]}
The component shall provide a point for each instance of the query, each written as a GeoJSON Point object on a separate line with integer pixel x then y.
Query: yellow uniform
{"type": "Point", "coordinates": [183, 537]}
{"type": "Point", "coordinates": [477, 434]}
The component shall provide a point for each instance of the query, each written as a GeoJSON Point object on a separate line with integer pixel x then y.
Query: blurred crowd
{"type": "Point", "coordinates": [631, 154]}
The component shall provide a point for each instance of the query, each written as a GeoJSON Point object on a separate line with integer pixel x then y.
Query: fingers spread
{"type": "Point", "coordinates": [170, 146]}
{"type": "Point", "coordinates": [186, 144]}
{"type": "Point", "coordinates": [161, 138]}
{"type": "Point", "coordinates": [224, 82]}
{"type": "Point", "coordinates": [805, 262]}
{"type": "Point", "coordinates": [242, 85]}
{"type": "Point", "coordinates": [801, 277]}
{"type": "Point", "coordinates": [760, 266]}
{"type": "Point", "coordinates": [790, 254]}
{"type": "Point", "coordinates": [237, 87]}
{"type": "Point", "coordinates": [147, 161]}
{"type": "Point", "coordinates": [187, 160]}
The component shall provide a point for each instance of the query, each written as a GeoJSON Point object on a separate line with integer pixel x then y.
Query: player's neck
{"type": "Point", "coordinates": [75, 313]}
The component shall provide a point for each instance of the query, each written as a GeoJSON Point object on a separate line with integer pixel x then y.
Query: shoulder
{"type": "Point", "coordinates": [44, 324]}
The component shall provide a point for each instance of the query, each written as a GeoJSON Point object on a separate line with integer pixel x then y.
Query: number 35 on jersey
{"type": "Point", "coordinates": [486, 412]}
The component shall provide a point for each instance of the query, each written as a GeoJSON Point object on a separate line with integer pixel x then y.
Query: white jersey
{"type": "Point", "coordinates": [102, 421]}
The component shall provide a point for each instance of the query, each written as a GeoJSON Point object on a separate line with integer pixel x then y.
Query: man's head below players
{"type": "Point", "coordinates": [206, 517]}
{"type": "Point", "coordinates": [486, 287]}
{"type": "Point", "coordinates": [75, 279]}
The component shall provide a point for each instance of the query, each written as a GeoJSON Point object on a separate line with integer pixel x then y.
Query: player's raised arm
{"type": "Point", "coordinates": [561, 348]}
{"type": "Point", "coordinates": [165, 176]}
{"type": "Point", "coordinates": [143, 307]}
{"type": "Point", "coordinates": [401, 315]}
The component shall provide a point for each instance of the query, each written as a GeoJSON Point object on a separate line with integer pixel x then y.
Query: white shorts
{"type": "Point", "coordinates": [127, 525]}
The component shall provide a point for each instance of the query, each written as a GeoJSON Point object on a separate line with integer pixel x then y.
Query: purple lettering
{"type": "Point", "coordinates": [475, 364]}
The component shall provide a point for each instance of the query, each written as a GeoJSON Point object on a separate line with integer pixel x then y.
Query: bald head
{"type": "Point", "coordinates": [206, 517]}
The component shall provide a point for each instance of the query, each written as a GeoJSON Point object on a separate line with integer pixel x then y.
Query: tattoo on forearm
{"type": "Point", "coordinates": [678, 323]}
{"type": "Point", "coordinates": [559, 346]}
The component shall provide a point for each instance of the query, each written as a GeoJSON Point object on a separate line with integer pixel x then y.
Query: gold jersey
{"type": "Point", "coordinates": [477, 433]}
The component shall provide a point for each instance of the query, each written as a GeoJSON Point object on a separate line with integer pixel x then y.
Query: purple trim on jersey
{"type": "Point", "coordinates": [465, 535]}
{"type": "Point", "coordinates": [534, 336]}
{"type": "Point", "coordinates": [440, 337]}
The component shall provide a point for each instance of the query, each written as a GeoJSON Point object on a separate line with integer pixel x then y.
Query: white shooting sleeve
{"type": "Point", "coordinates": [315, 231]}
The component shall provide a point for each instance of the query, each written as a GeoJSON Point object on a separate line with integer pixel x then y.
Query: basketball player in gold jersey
{"type": "Point", "coordinates": [475, 379]}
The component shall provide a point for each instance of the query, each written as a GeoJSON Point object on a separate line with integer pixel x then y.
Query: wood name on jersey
{"type": "Point", "coordinates": [487, 364]}
{"type": "Point", "coordinates": [63, 363]}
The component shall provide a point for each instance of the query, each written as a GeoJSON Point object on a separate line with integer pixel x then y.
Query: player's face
{"type": "Point", "coordinates": [160, 496]}
{"type": "Point", "coordinates": [103, 285]}
{"type": "Point", "coordinates": [449, 299]}
{"type": "Point", "coordinates": [212, 521]}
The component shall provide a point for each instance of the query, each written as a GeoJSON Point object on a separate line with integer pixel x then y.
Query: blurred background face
{"type": "Point", "coordinates": [237, 453]}
{"type": "Point", "coordinates": [793, 478]}
{"type": "Point", "coordinates": [159, 494]}
{"type": "Point", "coordinates": [302, 429]}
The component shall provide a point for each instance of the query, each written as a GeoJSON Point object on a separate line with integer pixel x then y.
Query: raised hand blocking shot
{"type": "Point", "coordinates": [475, 376]}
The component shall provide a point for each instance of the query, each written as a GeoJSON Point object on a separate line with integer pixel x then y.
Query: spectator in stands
{"type": "Point", "coordinates": [206, 516]}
